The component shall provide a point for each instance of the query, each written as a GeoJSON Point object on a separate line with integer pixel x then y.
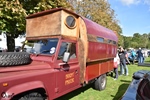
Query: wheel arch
{"type": "Point", "coordinates": [24, 88]}
{"type": "Point", "coordinates": [42, 91]}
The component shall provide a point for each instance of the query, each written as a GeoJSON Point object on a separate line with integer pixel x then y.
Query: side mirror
{"type": "Point", "coordinates": [66, 57]}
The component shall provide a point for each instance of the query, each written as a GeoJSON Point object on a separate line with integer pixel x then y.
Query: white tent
{"type": "Point", "coordinates": [3, 45]}
{"type": "Point", "coordinates": [3, 41]}
{"type": "Point", "coordinates": [18, 41]}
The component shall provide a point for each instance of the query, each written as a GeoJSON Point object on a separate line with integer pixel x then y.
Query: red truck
{"type": "Point", "coordinates": [64, 51]}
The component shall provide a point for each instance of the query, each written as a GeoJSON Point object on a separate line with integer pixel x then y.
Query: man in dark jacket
{"type": "Point", "coordinates": [140, 56]}
{"type": "Point", "coordinates": [122, 55]}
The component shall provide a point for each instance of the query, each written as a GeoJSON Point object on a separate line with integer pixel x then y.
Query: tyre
{"type": "Point", "coordinates": [100, 83]}
{"type": "Point", "coordinates": [14, 58]}
{"type": "Point", "coordinates": [30, 96]}
{"type": "Point", "coordinates": [111, 73]}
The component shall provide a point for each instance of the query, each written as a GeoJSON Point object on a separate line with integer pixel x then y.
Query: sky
{"type": "Point", "coordinates": [133, 15]}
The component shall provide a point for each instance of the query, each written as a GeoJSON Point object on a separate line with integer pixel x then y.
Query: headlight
{"type": "Point", "coordinates": [6, 95]}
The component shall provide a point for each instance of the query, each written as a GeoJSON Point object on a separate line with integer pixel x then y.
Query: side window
{"type": "Point", "coordinates": [99, 39]}
{"type": "Point", "coordinates": [72, 50]}
{"type": "Point", "coordinates": [67, 47]}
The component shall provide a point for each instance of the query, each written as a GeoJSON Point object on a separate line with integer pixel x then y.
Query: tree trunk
{"type": "Point", "coordinates": [10, 43]}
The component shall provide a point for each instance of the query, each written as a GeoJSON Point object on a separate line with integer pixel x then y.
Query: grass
{"type": "Point", "coordinates": [113, 91]}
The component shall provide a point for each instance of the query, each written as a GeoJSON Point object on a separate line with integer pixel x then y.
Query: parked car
{"type": "Point", "coordinates": [139, 88]}
{"type": "Point", "coordinates": [131, 58]}
{"type": "Point", "coordinates": [1, 49]}
{"type": "Point", "coordinates": [148, 53]}
{"type": "Point", "coordinates": [17, 48]}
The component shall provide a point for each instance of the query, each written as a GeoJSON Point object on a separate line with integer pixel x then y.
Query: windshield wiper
{"type": "Point", "coordinates": [44, 51]}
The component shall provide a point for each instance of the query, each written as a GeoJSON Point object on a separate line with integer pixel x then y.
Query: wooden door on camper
{"type": "Point", "coordinates": [68, 75]}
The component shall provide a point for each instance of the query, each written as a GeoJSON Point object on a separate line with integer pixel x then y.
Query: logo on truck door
{"type": "Point", "coordinates": [69, 78]}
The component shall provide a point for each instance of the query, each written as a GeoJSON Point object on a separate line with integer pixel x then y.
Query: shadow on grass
{"type": "Point", "coordinates": [145, 64]}
{"type": "Point", "coordinates": [125, 81]}
{"type": "Point", "coordinates": [74, 93]}
{"type": "Point", "coordinates": [121, 90]}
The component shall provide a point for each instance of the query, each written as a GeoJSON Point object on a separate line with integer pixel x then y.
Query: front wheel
{"type": "Point", "coordinates": [30, 96]}
{"type": "Point", "coordinates": [100, 83]}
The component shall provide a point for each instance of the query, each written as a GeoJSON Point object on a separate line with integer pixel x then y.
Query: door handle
{"type": "Point", "coordinates": [76, 71]}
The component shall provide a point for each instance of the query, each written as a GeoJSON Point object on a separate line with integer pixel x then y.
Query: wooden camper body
{"type": "Point", "coordinates": [97, 44]}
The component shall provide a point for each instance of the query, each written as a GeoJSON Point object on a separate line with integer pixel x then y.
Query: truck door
{"type": "Point", "coordinates": [68, 74]}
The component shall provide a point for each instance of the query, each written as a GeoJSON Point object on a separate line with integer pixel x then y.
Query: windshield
{"type": "Point", "coordinates": [44, 46]}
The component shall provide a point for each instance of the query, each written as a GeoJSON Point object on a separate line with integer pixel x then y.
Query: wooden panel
{"type": "Point", "coordinates": [45, 25]}
{"type": "Point", "coordinates": [82, 49]}
{"type": "Point", "coordinates": [92, 71]}
{"type": "Point", "coordinates": [51, 25]}
{"type": "Point", "coordinates": [104, 67]}
{"type": "Point", "coordinates": [72, 32]}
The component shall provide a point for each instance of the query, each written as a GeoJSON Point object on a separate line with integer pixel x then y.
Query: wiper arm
{"type": "Point", "coordinates": [44, 51]}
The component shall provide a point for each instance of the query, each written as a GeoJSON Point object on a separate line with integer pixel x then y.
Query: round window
{"type": "Point", "coordinates": [70, 21]}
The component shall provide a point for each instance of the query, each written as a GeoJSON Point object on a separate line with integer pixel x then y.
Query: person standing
{"type": "Point", "coordinates": [145, 55]}
{"type": "Point", "coordinates": [116, 63]}
{"type": "Point", "coordinates": [133, 55]}
{"type": "Point", "coordinates": [140, 56]}
{"type": "Point", "coordinates": [126, 57]}
{"type": "Point", "coordinates": [123, 67]}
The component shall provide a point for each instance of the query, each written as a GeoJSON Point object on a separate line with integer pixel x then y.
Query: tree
{"type": "Point", "coordinates": [144, 40]}
{"type": "Point", "coordinates": [34, 6]}
{"type": "Point", "coordinates": [137, 41]}
{"type": "Point", "coordinates": [13, 13]}
{"type": "Point", "coordinates": [11, 23]}
{"type": "Point", "coordinates": [127, 41]}
{"type": "Point", "coordinates": [134, 45]}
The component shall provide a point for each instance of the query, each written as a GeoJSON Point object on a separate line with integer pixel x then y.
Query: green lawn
{"type": "Point", "coordinates": [114, 89]}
